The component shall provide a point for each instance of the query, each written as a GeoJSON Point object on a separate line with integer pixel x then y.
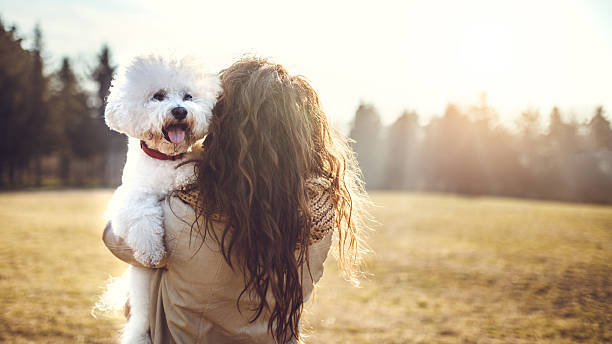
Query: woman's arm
{"type": "Point", "coordinates": [121, 250]}
{"type": "Point", "coordinates": [313, 271]}
{"type": "Point", "coordinates": [323, 221]}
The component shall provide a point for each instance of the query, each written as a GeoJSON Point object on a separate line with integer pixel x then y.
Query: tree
{"type": "Point", "coordinates": [103, 76]}
{"type": "Point", "coordinates": [72, 120]}
{"type": "Point", "coordinates": [562, 135]}
{"type": "Point", "coordinates": [530, 149]}
{"type": "Point", "coordinates": [15, 67]}
{"type": "Point", "coordinates": [39, 141]}
{"type": "Point", "coordinates": [367, 134]}
{"type": "Point", "coordinates": [482, 113]}
{"type": "Point", "coordinates": [601, 133]}
{"type": "Point", "coordinates": [112, 144]}
{"type": "Point", "coordinates": [529, 124]}
{"type": "Point", "coordinates": [401, 169]}
{"type": "Point", "coordinates": [558, 161]}
{"type": "Point", "coordinates": [592, 170]}
{"type": "Point", "coordinates": [447, 152]}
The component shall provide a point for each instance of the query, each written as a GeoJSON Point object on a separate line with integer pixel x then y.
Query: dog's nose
{"type": "Point", "coordinates": [179, 113]}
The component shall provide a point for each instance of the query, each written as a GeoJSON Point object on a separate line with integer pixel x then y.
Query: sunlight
{"type": "Point", "coordinates": [395, 54]}
{"type": "Point", "coordinates": [486, 55]}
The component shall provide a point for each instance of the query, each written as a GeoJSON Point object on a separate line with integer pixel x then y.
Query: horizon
{"type": "Point", "coordinates": [523, 55]}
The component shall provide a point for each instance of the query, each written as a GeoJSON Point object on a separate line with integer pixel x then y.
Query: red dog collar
{"type": "Point", "coordinates": [159, 155]}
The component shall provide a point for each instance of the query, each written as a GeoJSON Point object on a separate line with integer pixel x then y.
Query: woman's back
{"type": "Point", "coordinates": [198, 300]}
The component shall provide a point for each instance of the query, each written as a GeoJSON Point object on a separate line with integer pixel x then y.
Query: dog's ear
{"type": "Point", "coordinates": [116, 110]}
{"type": "Point", "coordinates": [114, 113]}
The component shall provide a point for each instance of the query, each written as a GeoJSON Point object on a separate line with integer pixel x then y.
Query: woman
{"type": "Point", "coordinates": [247, 241]}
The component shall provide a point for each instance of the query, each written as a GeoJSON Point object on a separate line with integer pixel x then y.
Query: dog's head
{"type": "Point", "coordinates": [163, 101]}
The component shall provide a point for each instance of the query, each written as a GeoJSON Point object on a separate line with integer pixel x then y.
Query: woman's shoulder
{"type": "Point", "coordinates": [322, 208]}
{"type": "Point", "coordinates": [191, 197]}
{"type": "Point", "coordinates": [320, 202]}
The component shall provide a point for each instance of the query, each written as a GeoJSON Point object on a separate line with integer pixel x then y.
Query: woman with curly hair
{"type": "Point", "coordinates": [247, 241]}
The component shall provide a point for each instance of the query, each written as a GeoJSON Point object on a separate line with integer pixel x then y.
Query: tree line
{"type": "Point", "coordinates": [53, 134]}
{"type": "Point", "coordinates": [467, 151]}
{"type": "Point", "coordinates": [53, 131]}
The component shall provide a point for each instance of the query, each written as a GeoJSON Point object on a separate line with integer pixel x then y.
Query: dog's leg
{"type": "Point", "coordinates": [146, 233]}
{"type": "Point", "coordinates": [136, 330]}
{"type": "Point", "coordinates": [138, 218]}
{"type": "Point", "coordinates": [118, 212]}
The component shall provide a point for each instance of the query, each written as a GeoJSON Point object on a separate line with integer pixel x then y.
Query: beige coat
{"type": "Point", "coordinates": [194, 291]}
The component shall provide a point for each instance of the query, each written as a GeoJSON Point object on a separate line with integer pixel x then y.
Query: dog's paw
{"type": "Point", "coordinates": [150, 258]}
{"type": "Point", "coordinates": [148, 246]}
{"type": "Point", "coordinates": [149, 250]}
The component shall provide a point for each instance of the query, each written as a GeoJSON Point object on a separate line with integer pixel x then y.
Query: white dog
{"type": "Point", "coordinates": [163, 105]}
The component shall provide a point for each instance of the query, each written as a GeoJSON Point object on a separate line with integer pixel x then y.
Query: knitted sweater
{"type": "Point", "coordinates": [322, 212]}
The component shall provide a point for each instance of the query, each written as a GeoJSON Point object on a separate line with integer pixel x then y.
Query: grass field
{"type": "Point", "coordinates": [446, 269]}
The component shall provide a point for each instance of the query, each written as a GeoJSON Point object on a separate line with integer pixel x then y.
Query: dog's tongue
{"type": "Point", "coordinates": [176, 134]}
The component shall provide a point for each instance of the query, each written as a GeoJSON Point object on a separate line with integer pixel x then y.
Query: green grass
{"type": "Point", "coordinates": [445, 270]}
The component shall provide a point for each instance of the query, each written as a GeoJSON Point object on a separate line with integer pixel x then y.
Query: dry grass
{"type": "Point", "coordinates": [446, 270]}
{"type": "Point", "coordinates": [52, 264]}
{"type": "Point", "coordinates": [476, 270]}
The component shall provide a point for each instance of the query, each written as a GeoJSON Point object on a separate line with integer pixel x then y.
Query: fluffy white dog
{"type": "Point", "coordinates": [163, 105]}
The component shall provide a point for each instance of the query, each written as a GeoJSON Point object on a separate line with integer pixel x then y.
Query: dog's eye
{"type": "Point", "coordinates": [187, 97]}
{"type": "Point", "coordinates": [159, 95]}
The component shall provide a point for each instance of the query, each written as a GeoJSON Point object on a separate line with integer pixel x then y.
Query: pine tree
{"type": "Point", "coordinates": [402, 153]}
{"type": "Point", "coordinates": [15, 67]}
{"type": "Point", "coordinates": [529, 124]}
{"type": "Point", "coordinates": [601, 133]}
{"type": "Point", "coordinates": [483, 114]}
{"type": "Point", "coordinates": [39, 140]}
{"type": "Point", "coordinates": [560, 180]}
{"type": "Point", "coordinates": [368, 145]}
{"type": "Point", "coordinates": [446, 151]}
{"type": "Point", "coordinates": [529, 150]}
{"type": "Point", "coordinates": [562, 135]}
{"type": "Point", "coordinates": [103, 76]}
{"type": "Point", "coordinates": [112, 144]}
{"type": "Point", "coordinates": [72, 120]}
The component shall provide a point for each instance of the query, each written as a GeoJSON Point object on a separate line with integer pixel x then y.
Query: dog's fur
{"type": "Point", "coordinates": [140, 105]}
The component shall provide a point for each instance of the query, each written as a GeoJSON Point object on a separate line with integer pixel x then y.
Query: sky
{"type": "Point", "coordinates": [396, 55]}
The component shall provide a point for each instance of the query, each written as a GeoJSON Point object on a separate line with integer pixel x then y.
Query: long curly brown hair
{"type": "Point", "coordinates": [267, 136]}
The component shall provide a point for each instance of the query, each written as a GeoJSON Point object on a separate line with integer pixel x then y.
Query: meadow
{"type": "Point", "coordinates": [445, 269]}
